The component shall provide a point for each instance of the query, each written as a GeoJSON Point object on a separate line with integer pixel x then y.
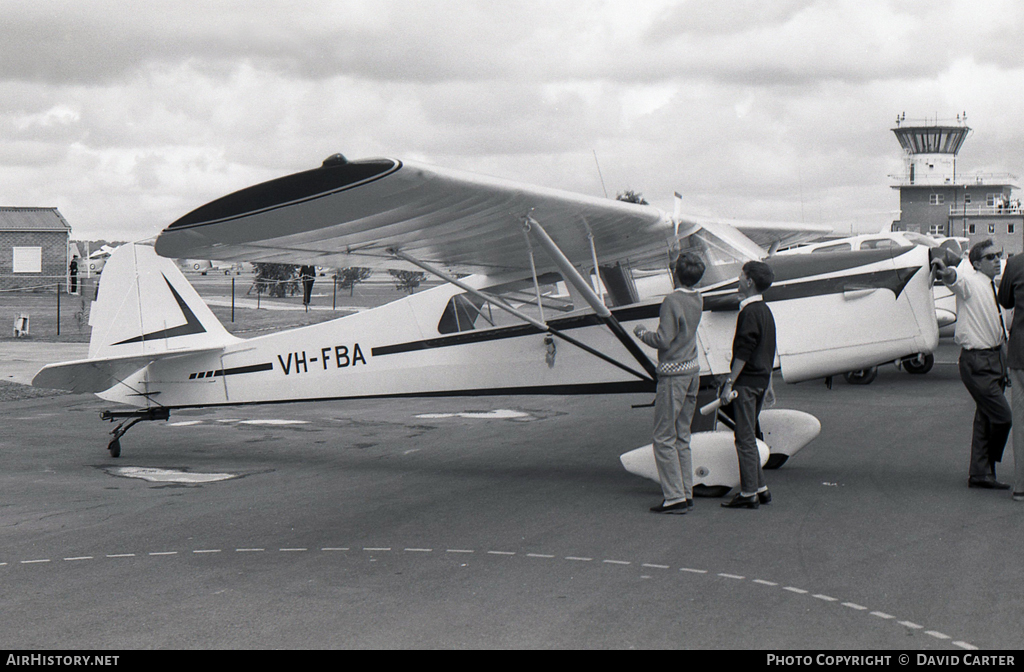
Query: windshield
{"type": "Point", "coordinates": [723, 249]}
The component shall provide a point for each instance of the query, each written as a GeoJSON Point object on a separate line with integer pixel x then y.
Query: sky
{"type": "Point", "coordinates": [128, 115]}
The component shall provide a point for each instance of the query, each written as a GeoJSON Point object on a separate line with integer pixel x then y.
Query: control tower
{"type": "Point", "coordinates": [930, 151]}
{"type": "Point", "coordinates": [936, 199]}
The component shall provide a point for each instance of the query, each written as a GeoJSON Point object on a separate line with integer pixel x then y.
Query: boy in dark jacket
{"type": "Point", "coordinates": [753, 356]}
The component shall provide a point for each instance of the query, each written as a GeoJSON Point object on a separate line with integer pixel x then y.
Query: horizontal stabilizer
{"type": "Point", "coordinates": [97, 375]}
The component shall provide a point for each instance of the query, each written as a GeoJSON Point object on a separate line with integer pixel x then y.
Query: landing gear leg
{"type": "Point", "coordinates": [130, 419]}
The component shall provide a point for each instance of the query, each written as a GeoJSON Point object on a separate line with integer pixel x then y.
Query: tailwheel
{"type": "Point", "coordinates": [862, 377]}
{"type": "Point", "coordinates": [128, 420]}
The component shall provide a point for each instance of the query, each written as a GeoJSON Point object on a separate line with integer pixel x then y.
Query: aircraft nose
{"type": "Point", "coordinates": [948, 256]}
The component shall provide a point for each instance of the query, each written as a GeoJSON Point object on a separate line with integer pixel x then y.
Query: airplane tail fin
{"type": "Point", "coordinates": [146, 306]}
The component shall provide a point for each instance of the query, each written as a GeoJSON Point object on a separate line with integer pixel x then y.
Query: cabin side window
{"type": "Point", "coordinates": [468, 312]}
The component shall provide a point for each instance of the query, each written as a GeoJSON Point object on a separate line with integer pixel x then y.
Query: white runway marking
{"type": "Point", "coordinates": [571, 558]}
{"type": "Point", "coordinates": [184, 423]}
{"type": "Point", "coordinates": [273, 422]}
{"type": "Point", "coordinates": [500, 414]}
{"type": "Point", "coordinates": [154, 475]}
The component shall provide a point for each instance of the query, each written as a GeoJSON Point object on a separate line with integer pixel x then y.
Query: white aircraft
{"type": "Point", "coordinates": [549, 306]}
{"type": "Point", "coordinates": [943, 297]}
{"type": "Point", "coordinates": [204, 266]}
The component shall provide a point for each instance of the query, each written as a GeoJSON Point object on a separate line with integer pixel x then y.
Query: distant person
{"type": "Point", "coordinates": [981, 335]}
{"type": "Point", "coordinates": [678, 378]}
{"type": "Point", "coordinates": [307, 275]}
{"type": "Point", "coordinates": [753, 356]}
{"type": "Point", "coordinates": [1011, 294]}
{"type": "Point", "coordinates": [73, 271]}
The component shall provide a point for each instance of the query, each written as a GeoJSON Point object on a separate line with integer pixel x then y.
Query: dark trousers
{"type": "Point", "coordinates": [984, 375]}
{"type": "Point", "coordinates": [745, 409]}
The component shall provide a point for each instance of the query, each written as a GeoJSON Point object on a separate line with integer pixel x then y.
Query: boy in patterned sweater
{"type": "Point", "coordinates": [678, 378]}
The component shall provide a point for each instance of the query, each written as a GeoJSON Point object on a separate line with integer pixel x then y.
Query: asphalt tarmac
{"type": "Point", "coordinates": [441, 523]}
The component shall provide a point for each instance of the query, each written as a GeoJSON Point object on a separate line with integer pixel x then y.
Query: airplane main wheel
{"type": "Point", "coordinates": [862, 377]}
{"type": "Point", "coordinates": [775, 460]}
{"type": "Point", "coordinates": [918, 364]}
{"type": "Point", "coordinates": [115, 448]}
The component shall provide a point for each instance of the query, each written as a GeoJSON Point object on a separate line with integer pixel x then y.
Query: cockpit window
{"type": "Point", "coordinates": [465, 312]}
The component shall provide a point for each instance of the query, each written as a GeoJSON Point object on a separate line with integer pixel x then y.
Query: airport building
{"type": "Point", "coordinates": [936, 198]}
{"type": "Point", "coordinates": [33, 247]}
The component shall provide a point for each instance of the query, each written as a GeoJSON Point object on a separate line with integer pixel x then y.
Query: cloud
{"type": "Point", "coordinates": [130, 115]}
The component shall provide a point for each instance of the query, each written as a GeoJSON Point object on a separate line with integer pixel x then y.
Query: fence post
{"type": "Point", "coordinates": [58, 309]}
{"type": "Point", "coordinates": [232, 299]}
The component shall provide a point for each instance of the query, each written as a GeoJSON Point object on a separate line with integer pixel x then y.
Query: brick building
{"type": "Point", "coordinates": [33, 247]}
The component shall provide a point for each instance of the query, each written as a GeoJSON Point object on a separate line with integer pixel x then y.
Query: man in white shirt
{"type": "Point", "coordinates": [981, 335]}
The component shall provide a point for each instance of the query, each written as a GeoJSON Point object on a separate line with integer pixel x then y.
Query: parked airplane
{"type": "Point", "coordinates": [204, 266]}
{"type": "Point", "coordinates": [549, 307]}
{"type": "Point", "coordinates": [945, 300]}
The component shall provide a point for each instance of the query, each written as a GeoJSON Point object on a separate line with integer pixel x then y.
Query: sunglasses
{"type": "Point", "coordinates": [992, 256]}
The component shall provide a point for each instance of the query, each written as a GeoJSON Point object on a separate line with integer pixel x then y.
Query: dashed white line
{"type": "Point", "coordinates": [800, 591]}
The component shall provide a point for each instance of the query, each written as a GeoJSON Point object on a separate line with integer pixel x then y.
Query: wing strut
{"type": "Point", "coordinates": [521, 315]}
{"type": "Point", "coordinates": [573, 276]}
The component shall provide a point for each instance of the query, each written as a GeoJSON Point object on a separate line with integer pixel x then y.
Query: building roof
{"type": "Point", "coordinates": [32, 219]}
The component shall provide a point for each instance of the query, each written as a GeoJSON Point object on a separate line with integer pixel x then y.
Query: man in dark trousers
{"type": "Point", "coordinates": [307, 274]}
{"type": "Point", "coordinates": [753, 356]}
{"type": "Point", "coordinates": [1011, 294]}
{"type": "Point", "coordinates": [981, 335]}
{"type": "Point", "coordinates": [73, 270]}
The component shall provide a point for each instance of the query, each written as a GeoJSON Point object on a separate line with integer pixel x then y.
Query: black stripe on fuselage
{"type": "Point", "coordinates": [238, 370]}
{"type": "Point", "coordinates": [626, 387]}
{"type": "Point", "coordinates": [893, 280]}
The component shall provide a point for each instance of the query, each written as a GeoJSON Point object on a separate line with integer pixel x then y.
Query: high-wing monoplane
{"type": "Point", "coordinates": [541, 291]}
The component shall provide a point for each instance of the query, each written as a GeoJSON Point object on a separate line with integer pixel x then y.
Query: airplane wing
{"type": "Point", "coordinates": [780, 234]}
{"type": "Point", "coordinates": [354, 213]}
{"type": "Point", "coordinates": [97, 375]}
